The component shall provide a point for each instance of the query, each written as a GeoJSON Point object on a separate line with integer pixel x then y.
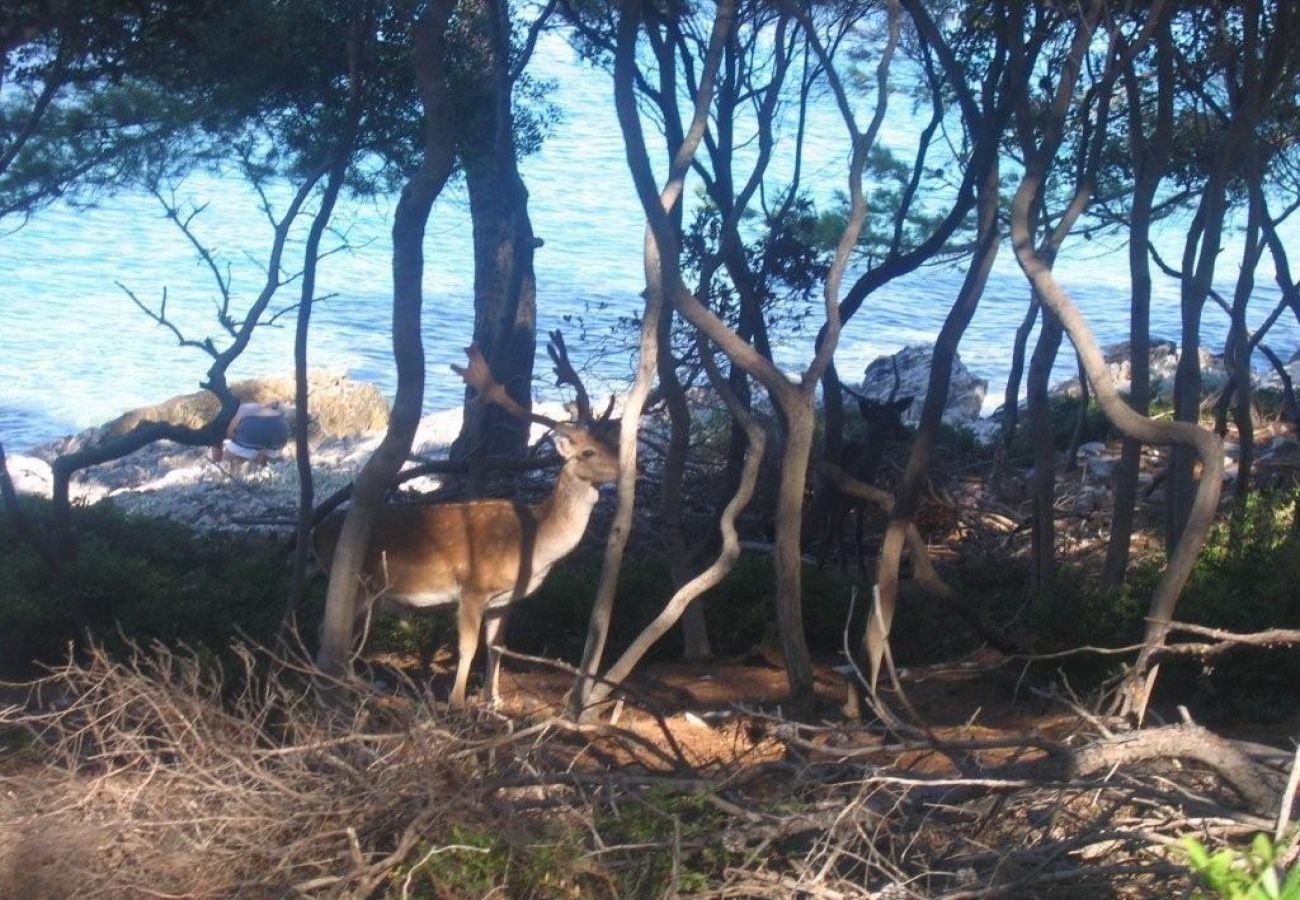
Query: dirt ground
{"type": "Point", "coordinates": [727, 713]}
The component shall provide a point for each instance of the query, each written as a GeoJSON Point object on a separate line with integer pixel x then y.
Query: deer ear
{"type": "Point", "coordinates": [901, 404]}
{"type": "Point", "coordinates": [563, 438]}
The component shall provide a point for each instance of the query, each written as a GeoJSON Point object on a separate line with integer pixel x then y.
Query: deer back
{"type": "Point", "coordinates": [428, 555]}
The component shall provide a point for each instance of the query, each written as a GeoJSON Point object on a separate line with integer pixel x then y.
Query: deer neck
{"type": "Point", "coordinates": [562, 517]}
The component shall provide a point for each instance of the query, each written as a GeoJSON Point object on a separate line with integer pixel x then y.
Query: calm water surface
{"type": "Point", "coordinates": [75, 351]}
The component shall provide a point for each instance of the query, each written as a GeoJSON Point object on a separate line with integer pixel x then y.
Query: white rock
{"type": "Point", "coordinates": [965, 391]}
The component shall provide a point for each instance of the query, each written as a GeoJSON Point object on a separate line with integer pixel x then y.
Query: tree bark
{"type": "Point", "coordinates": [505, 290]}
{"type": "Point", "coordinates": [663, 274]}
{"type": "Point", "coordinates": [428, 34]}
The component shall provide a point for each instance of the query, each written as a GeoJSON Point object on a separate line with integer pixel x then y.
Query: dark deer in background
{"type": "Point", "coordinates": [882, 425]}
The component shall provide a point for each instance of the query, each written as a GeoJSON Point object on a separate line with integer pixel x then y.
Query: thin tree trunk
{"type": "Point", "coordinates": [1011, 399]}
{"type": "Point", "coordinates": [1042, 487]}
{"type": "Point", "coordinates": [686, 594]}
{"type": "Point", "coordinates": [1150, 159]}
{"type": "Point", "coordinates": [1080, 418]}
{"type": "Point", "coordinates": [663, 273]}
{"type": "Point", "coordinates": [898, 531]}
{"type": "Point", "coordinates": [359, 33]}
{"type": "Point", "coordinates": [695, 634]}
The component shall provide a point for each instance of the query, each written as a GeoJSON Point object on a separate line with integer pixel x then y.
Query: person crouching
{"type": "Point", "coordinates": [258, 432]}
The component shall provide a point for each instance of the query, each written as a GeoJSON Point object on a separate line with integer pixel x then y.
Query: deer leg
{"type": "Point", "coordinates": [859, 525]}
{"type": "Point", "coordinates": [830, 529]}
{"type": "Point", "coordinates": [469, 619]}
{"type": "Point", "coordinates": [493, 634]}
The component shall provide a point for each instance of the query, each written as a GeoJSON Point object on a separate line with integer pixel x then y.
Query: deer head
{"type": "Point", "coordinates": [588, 444]}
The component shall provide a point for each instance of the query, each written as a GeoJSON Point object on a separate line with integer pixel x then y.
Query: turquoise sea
{"type": "Point", "coordinates": [75, 351]}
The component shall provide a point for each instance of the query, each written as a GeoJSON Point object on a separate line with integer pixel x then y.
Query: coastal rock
{"type": "Point", "coordinates": [1279, 465]}
{"type": "Point", "coordinates": [1271, 378]}
{"type": "Point", "coordinates": [184, 484]}
{"type": "Point", "coordinates": [965, 392]}
{"type": "Point", "coordinates": [339, 405]}
{"type": "Point", "coordinates": [1164, 365]}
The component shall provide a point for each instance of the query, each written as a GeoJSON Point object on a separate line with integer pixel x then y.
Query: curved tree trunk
{"type": "Point", "coordinates": [695, 634]}
{"type": "Point", "coordinates": [663, 274]}
{"type": "Point", "coordinates": [900, 528]}
{"type": "Point", "coordinates": [686, 595]}
{"type": "Point", "coordinates": [1204, 444]}
{"type": "Point", "coordinates": [1150, 161]}
{"type": "Point", "coordinates": [429, 43]}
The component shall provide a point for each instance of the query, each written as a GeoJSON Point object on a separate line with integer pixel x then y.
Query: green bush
{"type": "Point", "coordinates": [1233, 874]}
{"type": "Point", "coordinates": [138, 578]}
{"type": "Point", "coordinates": [650, 828]}
{"type": "Point", "coordinates": [1246, 579]}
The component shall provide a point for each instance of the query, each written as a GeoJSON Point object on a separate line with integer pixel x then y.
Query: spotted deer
{"type": "Point", "coordinates": [483, 555]}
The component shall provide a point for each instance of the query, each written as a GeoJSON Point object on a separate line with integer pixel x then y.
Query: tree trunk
{"type": "Point", "coordinates": [334, 656]}
{"type": "Point", "coordinates": [695, 634]}
{"type": "Point", "coordinates": [788, 559]}
{"type": "Point", "coordinates": [1011, 398]}
{"type": "Point", "coordinates": [686, 594]}
{"type": "Point", "coordinates": [1150, 160]}
{"type": "Point", "coordinates": [505, 291]}
{"type": "Point", "coordinates": [663, 275]}
{"type": "Point", "coordinates": [1043, 482]}
{"type": "Point", "coordinates": [359, 35]}
{"type": "Point", "coordinates": [880, 619]}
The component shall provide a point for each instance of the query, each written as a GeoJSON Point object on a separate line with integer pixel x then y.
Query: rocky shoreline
{"type": "Point", "coordinates": [348, 421]}
{"type": "Point", "coordinates": [183, 483]}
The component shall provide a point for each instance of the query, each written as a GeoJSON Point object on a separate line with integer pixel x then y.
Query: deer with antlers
{"type": "Point", "coordinates": [883, 421]}
{"type": "Point", "coordinates": [483, 555]}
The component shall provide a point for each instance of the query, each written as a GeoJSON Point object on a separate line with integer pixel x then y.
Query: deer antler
{"type": "Point", "coordinates": [565, 374]}
{"type": "Point", "coordinates": [478, 375]}
{"type": "Point", "coordinates": [852, 392]}
{"type": "Point", "coordinates": [893, 394]}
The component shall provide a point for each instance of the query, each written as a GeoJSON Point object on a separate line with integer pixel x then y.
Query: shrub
{"type": "Point", "coordinates": [149, 579]}
{"type": "Point", "coordinates": [1234, 874]}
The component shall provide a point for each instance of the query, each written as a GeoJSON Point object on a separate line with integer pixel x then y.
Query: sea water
{"type": "Point", "coordinates": [75, 350]}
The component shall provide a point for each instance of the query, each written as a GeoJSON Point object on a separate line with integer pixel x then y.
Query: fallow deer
{"type": "Point", "coordinates": [883, 421]}
{"type": "Point", "coordinates": [483, 555]}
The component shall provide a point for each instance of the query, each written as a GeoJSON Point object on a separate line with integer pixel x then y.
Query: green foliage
{"type": "Point", "coordinates": [785, 253]}
{"type": "Point", "coordinates": [467, 863]}
{"type": "Point", "coordinates": [661, 820]}
{"type": "Point", "coordinates": [1246, 580]}
{"type": "Point", "coordinates": [1254, 873]}
{"type": "Point", "coordinates": [472, 862]}
{"type": "Point", "coordinates": [138, 578]}
{"type": "Point", "coordinates": [1064, 412]}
